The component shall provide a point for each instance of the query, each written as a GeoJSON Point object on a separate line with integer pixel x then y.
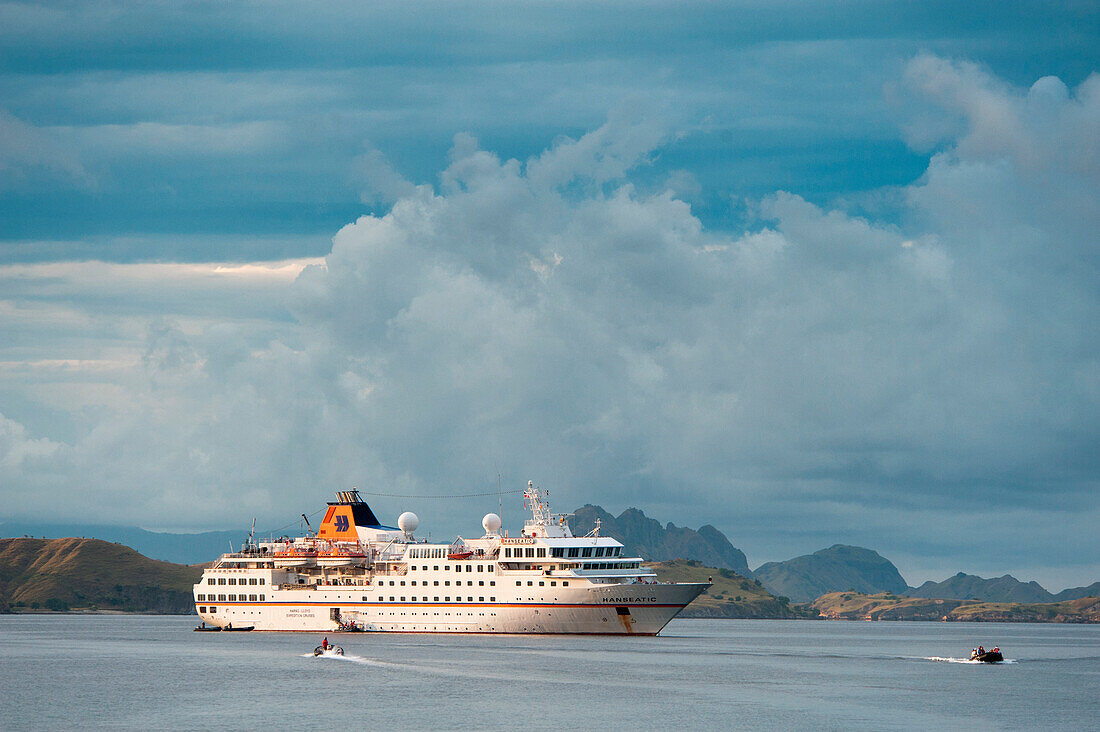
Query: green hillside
{"type": "Point", "coordinates": [731, 596]}
{"type": "Point", "coordinates": [887, 606]}
{"type": "Point", "coordinates": [88, 574]}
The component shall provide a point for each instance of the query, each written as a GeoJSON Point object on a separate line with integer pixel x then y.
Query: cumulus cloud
{"type": "Point", "coordinates": [548, 318]}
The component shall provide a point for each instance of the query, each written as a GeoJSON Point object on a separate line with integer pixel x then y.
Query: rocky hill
{"type": "Point", "coordinates": [835, 569]}
{"type": "Point", "coordinates": [730, 596]}
{"type": "Point", "coordinates": [971, 587]}
{"type": "Point", "coordinates": [69, 574]}
{"type": "Point", "coordinates": [888, 606]}
{"type": "Point", "coordinates": [647, 538]}
{"type": "Point", "coordinates": [176, 548]}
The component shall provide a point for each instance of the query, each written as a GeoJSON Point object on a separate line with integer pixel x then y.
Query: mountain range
{"type": "Point", "coordinates": [840, 568]}
{"type": "Point", "coordinates": [646, 537]}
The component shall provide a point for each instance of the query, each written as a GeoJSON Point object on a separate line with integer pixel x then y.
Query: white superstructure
{"type": "Point", "coordinates": [356, 574]}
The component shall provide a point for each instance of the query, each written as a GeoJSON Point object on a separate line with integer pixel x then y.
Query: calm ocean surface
{"type": "Point", "coordinates": [147, 672]}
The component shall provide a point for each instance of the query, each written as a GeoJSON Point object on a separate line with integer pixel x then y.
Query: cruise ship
{"type": "Point", "coordinates": [355, 574]}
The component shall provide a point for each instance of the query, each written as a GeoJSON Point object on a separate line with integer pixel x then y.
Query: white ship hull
{"type": "Point", "coordinates": [629, 609]}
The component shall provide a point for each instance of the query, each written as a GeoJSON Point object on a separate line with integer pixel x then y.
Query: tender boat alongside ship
{"type": "Point", "coordinates": [356, 574]}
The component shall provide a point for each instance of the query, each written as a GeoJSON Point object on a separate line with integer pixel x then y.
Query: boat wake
{"type": "Point", "coordinates": [948, 659]}
{"type": "Point", "coordinates": [349, 657]}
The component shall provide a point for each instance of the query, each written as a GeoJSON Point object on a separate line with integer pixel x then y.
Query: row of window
{"type": "Point", "coordinates": [573, 551]}
{"type": "Point", "coordinates": [230, 598]}
{"type": "Point", "coordinates": [427, 552]}
{"type": "Point", "coordinates": [446, 583]}
{"type": "Point", "coordinates": [458, 567]}
{"type": "Point", "coordinates": [233, 581]}
{"type": "Point", "coordinates": [530, 583]}
{"type": "Point", "coordinates": [520, 552]}
{"type": "Point", "coordinates": [434, 599]}
{"type": "Point", "coordinates": [609, 565]}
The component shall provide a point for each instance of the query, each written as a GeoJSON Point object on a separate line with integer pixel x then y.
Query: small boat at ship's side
{"type": "Point", "coordinates": [330, 651]}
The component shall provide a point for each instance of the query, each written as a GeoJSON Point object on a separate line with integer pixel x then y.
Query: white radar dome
{"type": "Point", "coordinates": [491, 522]}
{"type": "Point", "coordinates": [408, 522]}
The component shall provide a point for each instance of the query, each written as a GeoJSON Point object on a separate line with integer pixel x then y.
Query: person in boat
{"type": "Point", "coordinates": [981, 650]}
{"type": "Point", "coordinates": [324, 644]}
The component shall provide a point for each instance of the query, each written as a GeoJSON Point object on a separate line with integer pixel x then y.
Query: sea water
{"type": "Point", "coordinates": [153, 672]}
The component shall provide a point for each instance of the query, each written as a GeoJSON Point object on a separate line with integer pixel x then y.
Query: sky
{"type": "Point", "coordinates": [813, 273]}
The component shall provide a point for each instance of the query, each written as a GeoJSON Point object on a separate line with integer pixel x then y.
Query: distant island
{"type": "Point", "coordinates": [840, 582]}
{"type": "Point", "coordinates": [887, 606]}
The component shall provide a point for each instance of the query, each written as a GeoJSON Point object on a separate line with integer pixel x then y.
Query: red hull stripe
{"type": "Point", "coordinates": [345, 603]}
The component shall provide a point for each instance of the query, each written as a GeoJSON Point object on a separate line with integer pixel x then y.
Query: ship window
{"type": "Point", "coordinates": [492, 599]}
{"type": "Point", "coordinates": [402, 583]}
{"type": "Point", "coordinates": [529, 583]}
{"type": "Point", "coordinates": [436, 583]}
{"type": "Point", "coordinates": [518, 583]}
{"type": "Point", "coordinates": [565, 584]}
{"type": "Point", "coordinates": [435, 599]}
{"type": "Point", "coordinates": [492, 583]}
{"type": "Point", "coordinates": [402, 598]}
{"type": "Point", "coordinates": [435, 568]}
{"type": "Point", "coordinates": [221, 580]}
{"type": "Point", "coordinates": [480, 568]}
{"type": "Point", "coordinates": [446, 567]}
{"type": "Point", "coordinates": [262, 598]}
{"type": "Point", "coordinates": [572, 551]}
{"type": "Point", "coordinates": [599, 551]}
{"type": "Point", "coordinates": [364, 598]}
{"type": "Point", "coordinates": [469, 599]}
{"type": "Point", "coordinates": [202, 609]}
{"type": "Point", "coordinates": [251, 580]}
{"type": "Point", "coordinates": [529, 551]}
{"type": "Point", "coordinates": [213, 609]}
{"type": "Point", "coordinates": [391, 583]}
{"type": "Point", "coordinates": [391, 598]}
{"type": "Point", "coordinates": [586, 552]}
{"type": "Point", "coordinates": [211, 581]}
{"type": "Point", "coordinates": [557, 552]}
{"type": "Point", "coordinates": [414, 583]}
{"type": "Point", "coordinates": [481, 583]}
{"type": "Point", "coordinates": [261, 580]}
{"type": "Point", "coordinates": [481, 599]}
{"type": "Point", "coordinates": [553, 584]}
{"type": "Point", "coordinates": [252, 598]}
{"type": "Point", "coordinates": [221, 598]}
{"type": "Point", "coordinates": [542, 551]}
{"type": "Point", "coordinates": [447, 599]}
